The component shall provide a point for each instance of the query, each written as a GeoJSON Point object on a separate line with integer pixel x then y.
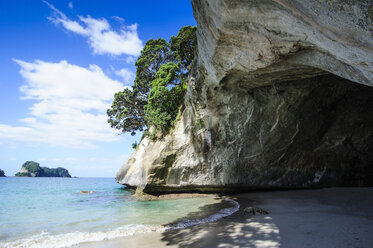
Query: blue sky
{"type": "Point", "coordinates": [60, 64]}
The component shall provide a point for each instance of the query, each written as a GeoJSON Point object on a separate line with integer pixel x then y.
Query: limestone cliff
{"type": "Point", "coordinates": [280, 97]}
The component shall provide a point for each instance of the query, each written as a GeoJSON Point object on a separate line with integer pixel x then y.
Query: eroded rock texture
{"type": "Point", "coordinates": [280, 97]}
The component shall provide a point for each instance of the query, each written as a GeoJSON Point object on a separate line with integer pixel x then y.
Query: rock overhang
{"type": "Point", "coordinates": [262, 108]}
{"type": "Point", "coordinates": [251, 36]}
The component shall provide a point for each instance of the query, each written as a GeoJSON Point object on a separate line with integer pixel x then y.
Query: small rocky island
{"type": "Point", "coordinates": [33, 169]}
{"type": "Point", "coordinates": [2, 173]}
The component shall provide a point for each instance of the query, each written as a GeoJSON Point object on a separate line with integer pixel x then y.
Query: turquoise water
{"type": "Point", "coordinates": [53, 212]}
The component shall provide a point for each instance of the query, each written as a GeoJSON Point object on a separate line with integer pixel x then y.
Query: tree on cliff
{"type": "Point", "coordinates": [162, 70]}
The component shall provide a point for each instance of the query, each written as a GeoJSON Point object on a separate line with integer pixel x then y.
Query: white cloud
{"type": "Point", "coordinates": [70, 4]}
{"type": "Point", "coordinates": [70, 107]}
{"type": "Point", "coordinates": [127, 75]}
{"type": "Point", "coordinates": [101, 37]}
{"type": "Point", "coordinates": [130, 60]}
{"type": "Point", "coordinates": [118, 19]}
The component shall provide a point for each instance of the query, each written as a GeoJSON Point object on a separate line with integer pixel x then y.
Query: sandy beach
{"type": "Point", "coordinates": [332, 217]}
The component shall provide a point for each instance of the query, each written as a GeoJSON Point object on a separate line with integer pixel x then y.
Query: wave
{"type": "Point", "coordinates": [46, 240]}
{"type": "Point", "coordinates": [212, 218]}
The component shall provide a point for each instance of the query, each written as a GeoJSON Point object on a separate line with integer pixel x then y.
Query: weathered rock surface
{"type": "Point", "coordinates": [280, 98]}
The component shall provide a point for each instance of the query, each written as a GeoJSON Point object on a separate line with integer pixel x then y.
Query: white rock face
{"type": "Point", "coordinates": [263, 108]}
{"type": "Point", "coordinates": [251, 35]}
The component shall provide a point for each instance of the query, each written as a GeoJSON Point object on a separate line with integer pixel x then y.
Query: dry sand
{"type": "Point", "coordinates": [333, 217]}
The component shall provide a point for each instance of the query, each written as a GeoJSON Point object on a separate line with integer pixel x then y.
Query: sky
{"type": "Point", "coordinates": [61, 63]}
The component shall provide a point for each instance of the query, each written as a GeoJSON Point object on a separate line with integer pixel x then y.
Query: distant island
{"type": "Point", "coordinates": [2, 173]}
{"type": "Point", "coordinates": [33, 169]}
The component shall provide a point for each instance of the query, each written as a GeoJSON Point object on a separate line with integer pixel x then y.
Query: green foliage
{"type": "Point", "coordinates": [58, 172]}
{"type": "Point", "coordinates": [62, 172]}
{"type": "Point", "coordinates": [184, 46]}
{"type": "Point", "coordinates": [163, 100]}
{"type": "Point", "coordinates": [162, 70]}
{"type": "Point", "coordinates": [153, 55]}
{"type": "Point", "coordinates": [134, 145]}
{"type": "Point", "coordinates": [33, 168]}
{"type": "Point", "coordinates": [126, 112]}
{"type": "Point", "coordinates": [23, 174]}
{"type": "Point", "coordinates": [2, 173]}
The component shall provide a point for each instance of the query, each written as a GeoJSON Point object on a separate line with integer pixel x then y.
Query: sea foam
{"type": "Point", "coordinates": [46, 240]}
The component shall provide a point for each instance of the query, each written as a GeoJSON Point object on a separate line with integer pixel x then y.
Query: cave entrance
{"type": "Point", "coordinates": [299, 133]}
{"type": "Point", "coordinates": [336, 130]}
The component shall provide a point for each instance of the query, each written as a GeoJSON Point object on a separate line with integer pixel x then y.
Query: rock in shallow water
{"type": "Point", "coordinates": [87, 192]}
{"type": "Point", "coordinates": [263, 109]}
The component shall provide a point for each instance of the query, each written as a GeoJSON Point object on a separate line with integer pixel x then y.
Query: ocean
{"type": "Point", "coordinates": [62, 212]}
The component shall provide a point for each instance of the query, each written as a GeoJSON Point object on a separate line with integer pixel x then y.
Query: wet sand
{"type": "Point", "coordinates": [332, 217]}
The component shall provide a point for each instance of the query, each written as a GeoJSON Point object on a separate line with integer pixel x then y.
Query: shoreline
{"type": "Point", "coordinates": [140, 195]}
{"type": "Point", "coordinates": [330, 217]}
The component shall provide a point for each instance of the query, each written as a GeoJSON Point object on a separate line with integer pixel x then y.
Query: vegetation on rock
{"type": "Point", "coordinates": [33, 169]}
{"type": "Point", "coordinates": [2, 173]}
{"type": "Point", "coordinates": [162, 70]}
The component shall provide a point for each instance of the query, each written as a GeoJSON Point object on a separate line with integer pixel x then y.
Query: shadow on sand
{"type": "Point", "coordinates": [236, 230]}
{"type": "Point", "coordinates": [335, 217]}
